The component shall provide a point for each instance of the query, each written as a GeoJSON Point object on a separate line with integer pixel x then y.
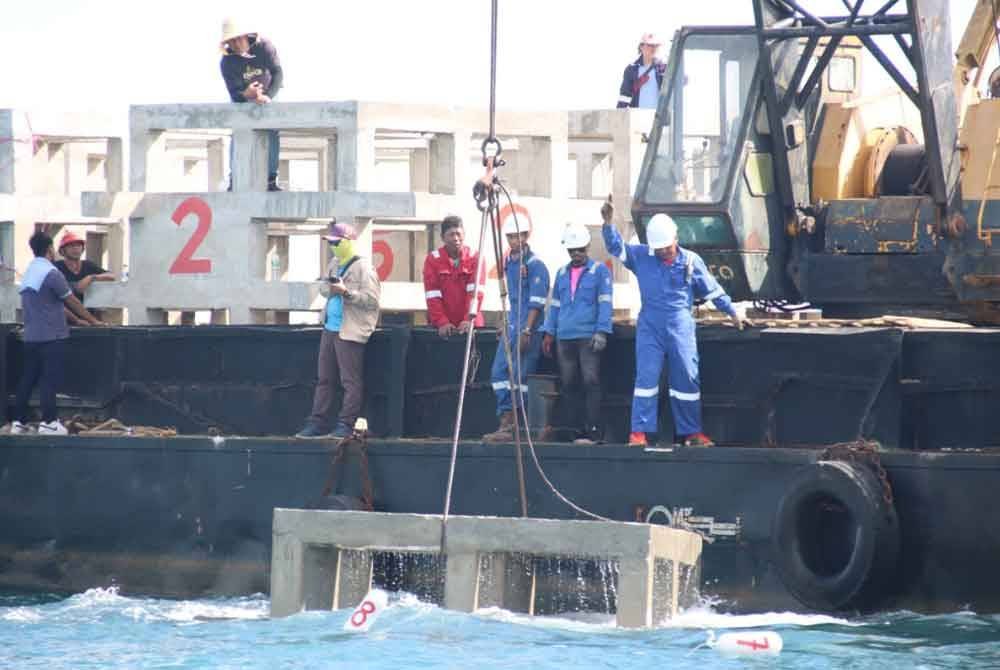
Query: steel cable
{"type": "Point", "coordinates": [487, 190]}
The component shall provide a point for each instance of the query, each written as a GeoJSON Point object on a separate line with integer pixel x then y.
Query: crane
{"type": "Point", "coordinates": [796, 187]}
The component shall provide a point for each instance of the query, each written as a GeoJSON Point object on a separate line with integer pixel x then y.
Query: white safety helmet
{"type": "Point", "coordinates": [575, 236]}
{"type": "Point", "coordinates": [661, 231]}
{"type": "Point", "coordinates": [512, 227]}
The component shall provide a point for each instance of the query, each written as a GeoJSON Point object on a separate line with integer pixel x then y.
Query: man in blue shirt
{"type": "Point", "coordinates": [44, 293]}
{"type": "Point", "coordinates": [528, 287]}
{"type": "Point", "coordinates": [578, 322]}
{"type": "Point", "coordinates": [642, 79]}
{"type": "Point", "coordinates": [670, 279]}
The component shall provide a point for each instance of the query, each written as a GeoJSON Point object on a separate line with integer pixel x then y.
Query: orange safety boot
{"type": "Point", "coordinates": [698, 440]}
{"type": "Point", "coordinates": [637, 440]}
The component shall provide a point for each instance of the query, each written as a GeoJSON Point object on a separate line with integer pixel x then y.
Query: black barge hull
{"type": "Point", "coordinates": [190, 516]}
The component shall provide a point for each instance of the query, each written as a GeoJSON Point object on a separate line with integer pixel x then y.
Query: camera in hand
{"type": "Point", "coordinates": [334, 279]}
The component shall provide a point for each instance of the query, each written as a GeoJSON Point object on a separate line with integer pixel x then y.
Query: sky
{"type": "Point", "coordinates": [554, 54]}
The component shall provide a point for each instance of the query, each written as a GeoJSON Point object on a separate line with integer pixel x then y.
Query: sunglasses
{"type": "Point", "coordinates": [333, 243]}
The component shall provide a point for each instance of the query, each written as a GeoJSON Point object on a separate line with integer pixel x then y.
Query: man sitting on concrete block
{"type": "Point", "coordinates": [351, 313]}
{"type": "Point", "coordinates": [450, 282]}
{"type": "Point", "coordinates": [252, 73]}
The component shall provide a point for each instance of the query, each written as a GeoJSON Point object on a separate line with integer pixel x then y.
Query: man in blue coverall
{"type": "Point", "coordinates": [578, 323]}
{"type": "Point", "coordinates": [527, 287]}
{"type": "Point", "coordinates": [670, 279]}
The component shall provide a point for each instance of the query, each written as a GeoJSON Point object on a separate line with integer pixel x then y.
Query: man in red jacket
{"type": "Point", "coordinates": [449, 282]}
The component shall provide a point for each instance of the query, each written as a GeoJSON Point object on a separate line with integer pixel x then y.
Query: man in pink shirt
{"type": "Point", "coordinates": [578, 323]}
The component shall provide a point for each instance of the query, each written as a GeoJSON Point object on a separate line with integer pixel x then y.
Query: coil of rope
{"type": "Point", "coordinates": [486, 192]}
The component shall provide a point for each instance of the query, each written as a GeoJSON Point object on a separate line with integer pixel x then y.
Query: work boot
{"type": "Point", "coordinates": [698, 440]}
{"type": "Point", "coordinates": [52, 428]}
{"type": "Point", "coordinates": [312, 431]}
{"type": "Point", "coordinates": [636, 439]}
{"type": "Point", "coordinates": [588, 437]}
{"type": "Point", "coordinates": [505, 433]}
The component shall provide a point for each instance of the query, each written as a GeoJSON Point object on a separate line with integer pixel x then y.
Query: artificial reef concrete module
{"type": "Point", "coordinates": [323, 559]}
{"type": "Point", "coordinates": [152, 194]}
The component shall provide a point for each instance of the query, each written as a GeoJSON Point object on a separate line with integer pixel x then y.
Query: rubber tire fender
{"type": "Point", "coordinates": [868, 573]}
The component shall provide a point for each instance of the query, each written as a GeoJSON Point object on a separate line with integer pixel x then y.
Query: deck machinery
{"type": "Point", "coordinates": [796, 187]}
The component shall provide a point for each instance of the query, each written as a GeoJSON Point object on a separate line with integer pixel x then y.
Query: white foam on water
{"type": "Point", "coordinates": [96, 596]}
{"type": "Point", "coordinates": [568, 621]}
{"type": "Point", "coordinates": [200, 612]}
{"type": "Point", "coordinates": [21, 615]}
{"type": "Point", "coordinates": [704, 616]}
{"type": "Point", "coordinates": [410, 601]}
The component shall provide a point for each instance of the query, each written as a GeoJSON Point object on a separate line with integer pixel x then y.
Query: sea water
{"type": "Point", "coordinates": [102, 629]}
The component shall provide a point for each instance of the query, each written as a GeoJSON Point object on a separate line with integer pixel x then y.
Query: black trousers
{"type": "Point", "coordinates": [44, 364]}
{"type": "Point", "coordinates": [578, 362]}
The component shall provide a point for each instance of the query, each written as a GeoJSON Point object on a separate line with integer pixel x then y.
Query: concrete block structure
{"type": "Point", "coordinates": [323, 559]}
{"type": "Point", "coordinates": [415, 163]}
{"type": "Point", "coordinates": [208, 251]}
{"type": "Point", "coordinates": [47, 159]}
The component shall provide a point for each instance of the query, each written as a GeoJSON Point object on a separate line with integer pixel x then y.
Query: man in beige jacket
{"type": "Point", "coordinates": [349, 319]}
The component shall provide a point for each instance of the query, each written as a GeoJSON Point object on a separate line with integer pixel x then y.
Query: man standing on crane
{"type": "Point", "coordinates": [578, 323]}
{"type": "Point", "coordinates": [642, 79]}
{"type": "Point", "coordinates": [670, 280]}
{"type": "Point", "coordinates": [528, 287]}
{"type": "Point", "coordinates": [450, 282]}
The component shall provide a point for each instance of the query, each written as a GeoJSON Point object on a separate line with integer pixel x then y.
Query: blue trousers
{"type": "Point", "coordinates": [44, 365]}
{"type": "Point", "coordinates": [501, 380]}
{"type": "Point", "coordinates": [273, 147]}
{"type": "Point", "coordinates": [674, 340]}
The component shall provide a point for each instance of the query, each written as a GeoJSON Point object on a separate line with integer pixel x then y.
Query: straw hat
{"type": "Point", "coordinates": [233, 28]}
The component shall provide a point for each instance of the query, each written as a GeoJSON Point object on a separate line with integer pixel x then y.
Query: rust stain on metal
{"type": "Point", "coordinates": [981, 281]}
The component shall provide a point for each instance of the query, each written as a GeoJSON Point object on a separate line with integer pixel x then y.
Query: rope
{"type": "Point", "coordinates": [996, 29]}
{"type": "Point", "coordinates": [485, 192]}
{"type": "Point", "coordinates": [524, 414]}
{"type": "Point", "coordinates": [469, 340]}
{"type": "Point", "coordinates": [367, 490]}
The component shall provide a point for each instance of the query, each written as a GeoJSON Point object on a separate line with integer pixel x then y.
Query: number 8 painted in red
{"type": "Point", "coordinates": [366, 608]}
{"type": "Point", "coordinates": [185, 263]}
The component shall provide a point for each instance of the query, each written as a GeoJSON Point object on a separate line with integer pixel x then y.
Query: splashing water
{"type": "Point", "coordinates": [103, 629]}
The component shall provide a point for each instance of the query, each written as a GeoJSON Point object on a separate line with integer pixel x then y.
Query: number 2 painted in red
{"type": "Point", "coordinates": [185, 263]}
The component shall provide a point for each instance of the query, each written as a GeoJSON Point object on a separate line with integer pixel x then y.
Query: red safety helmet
{"type": "Point", "coordinates": [69, 237]}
